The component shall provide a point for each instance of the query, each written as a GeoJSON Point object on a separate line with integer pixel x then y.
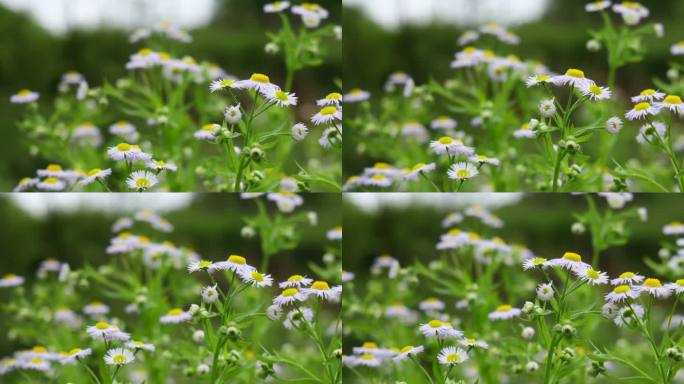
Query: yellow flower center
{"type": "Point", "coordinates": [102, 325]}
{"type": "Point", "coordinates": [592, 274]}
{"type": "Point", "coordinates": [123, 147]}
{"type": "Point", "coordinates": [175, 312]}
{"type": "Point", "coordinates": [74, 351]}
{"type": "Point", "coordinates": [676, 100]}
{"type": "Point", "coordinates": [145, 52]}
{"type": "Point", "coordinates": [642, 106]}
{"type": "Point", "coordinates": [160, 163]}
{"type": "Point", "coordinates": [462, 173]}
{"type": "Point", "coordinates": [36, 360]}
{"type": "Point", "coordinates": [257, 276]}
{"type": "Point", "coordinates": [311, 6]}
{"type": "Point", "coordinates": [356, 91]}
{"type": "Point", "coordinates": [280, 95]}
{"type": "Point", "coordinates": [236, 259]}
{"type": "Point", "coordinates": [367, 356]}
{"type": "Point", "coordinates": [54, 168]}
{"type": "Point", "coordinates": [94, 172]}
{"type": "Point", "coordinates": [119, 359]}
{"type": "Point", "coordinates": [39, 349]}
{"type": "Point", "coordinates": [680, 282]}
{"type": "Point", "coordinates": [538, 260]}
{"type": "Point", "coordinates": [328, 110]}
{"type": "Point", "coordinates": [24, 92]}
{"type": "Point", "coordinates": [406, 348]}
{"type": "Point", "coordinates": [25, 181]}
{"type": "Point", "coordinates": [295, 278]}
{"type": "Point", "coordinates": [418, 166]}
{"type": "Point", "coordinates": [647, 92]}
{"type": "Point", "coordinates": [290, 292]}
{"type": "Point", "coordinates": [572, 256]}
{"type": "Point", "coordinates": [320, 285]}
{"type": "Point", "coordinates": [470, 340]}
{"type": "Point", "coordinates": [652, 283]}
{"type": "Point", "coordinates": [454, 231]}
{"type": "Point", "coordinates": [504, 308]}
{"type": "Point", "coordinates": [51, 180]}
{"type": "Point", "coordinates": [469, 50]}
{"type": "Point", "coordinates": [378, 177]}
{"type": "Point", "coordinates": [9, 276]}
{"type": "Point", "coordinates": [627, 275]}
{"type": "Point", "coordinates": [226, 82]}
{"type": "Point", "coordinates": [369, 345]}
{"type": "Point", "coordinates": [572, 72]}
{"type": "Point", "coordinates": [621, 289]}
{"type": "Point", "coordinates": [142, 182]}
{"type": "Point", "coordinates": [595, 89]}
{"type": "Point", "coordinates": [435, 323]}
{"type": "Point", "coordinates": [204, 264]}
{"type": "Point", "coordinates": [260, 78]}
{"type": "Point", "coordinates": [208, 127]}
{"type": "Point", "coordinates": [334, 96]}
{"type": "Point", "coordinates": [453, 358]}
{"type": "Point", "coordinates": [445, 140]}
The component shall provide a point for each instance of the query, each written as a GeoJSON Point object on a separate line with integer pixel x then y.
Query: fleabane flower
{"type": "Point", "coordinates": [137, 344]}
{"type": "Point", "coordinates": [472, 342]}
{"type": "Point", "coordinates": [629, 278]}
{"type": "Point", "coordinates": [570, 261]}
{"type": "Point", "coordinates": [482, 159]}
{"type": "Point", "coordinates": [591, 276]}
{"type": "Point", "coordinates": [678, 49]}
{"type": "Point", "coordinates": [119, 356]}
{"type": "Point", "coordinates": [452, 356]}
{"type": "Point", "coordinates": [535, 262]}
{"type": "Point", "coordinates": [356, 95]}
{"type": "Point", "coordinates": [594, 92]}
{"type": "Point", "coordinates": [547, 107]}
{"type": "Point", "coordinates": [296, 281]}
{"type": "Point", "coordinates": [651, 131]}
{"type": "Point", "coordinates": [418, 169]}
{"type": "Point", "coordinates": [545, 291]}
{"type": "Point", "coordinates": [255, 278]}
{"type": "Point", "coordinates": [106, 331]}
{"type": "Point", "coordinates": [299, 131]}
{"type": "Point", "coordinates": [141, 180]}
{"type": "Point", "coordinates": [632, 12]}
{"type": "Point", "coordinates": [622, 293]}
{"type": "Point", "coordinates": [208, 132]}
{"type": "Point", "coordinates": [51, 184]}
{"type": "Point", "coordinates": [11, 280]}
{"type": "Point", "coordinates": [654, 288]}
{"type": "Point", "coordinates": [443, 122]}
{"type": "Point", "coordinates": [210, 294]}
{"type": "Point", "coordinates": [572, 77]}
{"type": "Point", "coordinates": [614, 125]}
{"type": "Point", "coordinates": [648, 95]}
{"type": "Point", "coordinates": [74, 354]}
{"type": "Point", "coordinates": [673, 103]}
{"type": "Point", "coordinates": [175, 316]}
{"type": "Point", "coordinates": [234, 263]}
{"type": "Point", "coordinates": [504, 312]}
{"type": "Point", "coordinates": [439, 329]}
{"type": "Point", "coordinates": [597, 6]}
{"type": "Point", "coordinates": [258, 82]}
{"type": "Point", "coordinates": [674, 228]}
{"type": "Point", "coordinates": [462, 171]}
{"type": "Point", "coordinates": [377, 180]}
{"type": "Point", "coordinates": [200, 265]}
{"type": "Point", "coordinates": [450, 146]}
{"type": "Point", "coordinates": [626, 314]}
{"type": "Point", "coordinates": [327, 115]}
{"type": "Point", "coordinates": [128, 152]}
{"type": "Point", "coordinates": [323, 291]}
{"type": "Point", "coordinates": [524, 132]}
{"type": "Point", "coordinates": [220, 84]}
{"type": "Point", "coordinates": [677, 287]}
{"type": "Point", "coordinates": [159, 166]}
{"type": "Point", "coordinates": [334, 98]}
{"type": "Point", "coordinates": [641, 110]}
{"type": "Point", "coordinates": [408, 351]}
{"type": "Point", "coordinates": [24, 96]}
{"type": "Point", "coordinates": [276, 6]}
{"type": "Point", "coordinates": [95, 174]}
{"type": "Point", "coordinates": [537, 79]}
{"type": "Point", "coordinates": [233, 114]}
{"type": "Point", "coordinates": [281, 98]}
{"type": "Point", "coordinates": [289, 296]}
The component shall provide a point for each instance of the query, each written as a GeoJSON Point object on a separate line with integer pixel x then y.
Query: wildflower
{"type": "Point", "coordinates": [210, 294]}
{"type": "Point", "coordinates": [655, 288]}
{"type": "Point", "coordinates": [407, 351]}
{"type": "Point", "coordinates": [145, 58]}
{"type": "Point", "coordinates": [471, 342]}
{"type": "Point", "coordinates": [255, 278]}
{"type": "Point", "coordinates": [462, 171]}
{"type": "Point", "coordinates": [594, 92]}
{"type": "Point", "coordinates": [299, 131]}
{"type": "Point", "coordinates": [11, 280]}
{"type": "Point", "coordinates": [24, 96]}
{"type": "Point", "coordinates": [527, 333]}
{"type": "Point", "coordinates": [622, 293]}
{"type": "Point", "coordinates": [678, 49]}
{"type": "Point", "coordinates": [200, 265]}
{"type": "Point", "coordinates": [333, 98]}
{"type": "Point", "coordinates": [258, 82]}
{"type": "Point", "coordinates": [220, 84]}
{"type": "Point", "coordinates": [368, 360]}
{"type": "Point", "coordinates": [74, 354]}
{"type": "Point", "coordinates": [208, 132]}
{"type": "Point", "coordinates": [289, 296]}
{"type": "Point", "coordinates": [327, 115]}
{"type": "Point", "coordinates": [378, 180]}
{"type": "Point", "coordinates": [450, 146]}
{"type": "Point", "coordinates": [26, 183]}
{"type": "Point", "coordinates": [648, 95]}
{"type": "Point", "coordinates": [323, 291]}
{"type": "Point", "coordinates": [629, 278]}
{"type": "Point", "coordinates": [420, 168]}
{"type": "Point", "coordinates": [572, 77]}
{"type": "Point", "coordinates": [296, 281]}
{"type": "Point", "coordinates": [545, 292]}
{"type": "Point", "coordinates": [677, 287]}
{"type": "Point", "coordinates": [534, 262]}
{"type": "Point", "coordinates": [233, 114]}
{"type": "Point", "coordinates": [36, 364]}
{"type": "Point", "coordinates": [626, 314]}
{"type": "Point", "coordinates": [674, 228]}
{"type": "Point", "coordinates": [96, 308]}
{"type": "Point", "coordinates": [133, 344]}
{"type": "Point", "coordinates": [128, 152]}
{"type": "Point", "coordinates": [87, 134]}
{"type": "Point", "coordinates": [468, 37]}
{"type": "Point", "coordinates": [537, 79]}
{"type": "Point", "coordinates": [614, 125]}
{"type": "Point", "coordinates": [280, 98]}
{"type": "Point", "coordinates": [119, 356]}
{"type": "Point", "coordinates": [650, 132]}
{"type": "Point", "coordinates": [570, 261]}
{"type": "Point", "coordinates": [597, 6]}
{"type": "Point", "coordinates": [591, 276]}
{"type": "Point", "coordinates": [96, 174]}
{"type": "Point", "coordinates": [439, 329]}
{"type": "Point", "coordinates": [482, 159]}
{"type": "Point", "coordinates": [443, 122]}
{"type": "Point", "coordinates": [525, 131]}
{"type": "Point", "coordinates": [547, 107]}
{"type": "Point", "coordinates": [609, 310]}
{"type": "Point", "coordinates": [161, 166]}
{"type": "Point", "coordinates": [330, 136]}
{"type": "Point", "coordinates": [175, 316]}
{"type": "Point", "coordinates": [431, 304]}
{"type": "Point", "coordinates": [141, 180]}
{"type": "Point", "coordinates": [452, 356]}
{"type": "Point", "coordinates": [234, 263]}
{"type": "Point", "coordinates": [356, 95]}
{"type": "Point", "coordinates": [504, 312]}
{"type": "Point", "coordinates": [106, 331]}
{"type": "Point", "coordinates": [641, 110]}
{"type": "Point", "coordinates": [632, 12]}
{"type": "Point", "coordinates": [125, 130]}
{"type": "Point", "coordinates": [51, 184]}
{"type": "Point", "coordinates": [673, 103]}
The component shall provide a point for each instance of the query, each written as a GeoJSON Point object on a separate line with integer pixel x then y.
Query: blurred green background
{"type": "Point", "coordinates": [539, 221]}
{"type": "Point", "coordinates": [32, 57]}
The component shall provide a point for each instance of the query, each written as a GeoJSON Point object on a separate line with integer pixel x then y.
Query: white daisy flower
{"type": "Point", "coordinates": [282, 99]}
{"type": "Point", "coordinates": [471, 342]}
{"type": "Point", "coordinates": [647, 132]}
{"type": "Point", "coordinates": [125, 130]}
{"type": "Point", "coordinates": [26, 183]}
{"type": "Point", "coordinates": [296, 281]}
{"type": "Point", "coordinates": [545, 291]}
{"type": "Point", "coordinates": [334, 98]}
{"type": "Point", "coordinates": [327, 115]}
{"type": "Point", "coordinates": [597, 6]}
{"type": "Point", "coordinates": [673, 103]}
{"type": "Point", "coordinates": [450, 146]}
{"type": "Point", "coordinates": [52, 170]}
{"type": "Point", "coordinates": [654, 288]}
{"type": "Point", "coordinates": [631, 9]}
{"type": "Point", "coordinates": [330, 136]}
{"type": "Point", "coordinates": [334, 233]}
{"type": "Point", "coordinates": [356, 95]}
{"type": "Point", "coordinates": [594, 92]}
{"type": "Point", "coordinates": [524, 132]}
{"type": "Point", "coordinates": [534, 262]}
{"type": "Point", "coordinates": [547, 107]}
{"type": "Point", "coordinates": [347, 276]}
{"type": "Point", "coordinates": [87, 134]}
{"type": "Point", "coordinates": [24, 96]}
{"type": "Point", "coordinates": [274, 312]}
{"type": "Point", "coordinates": [626, 314]}
{"type": "Point", "coordinates": [199, 265]}
{"type": "Point", "coordinates": [609, 310]}
{"type": "Point", "coordinates": [570, 261]}
{"type": "Point", "coordinates": [537, 79]}
{"type": "Point", "coordinates": [221, 84]}
{"type": "Point", "coordinates": [299, 131]}
{"type": "Point", "coordinates": [106, 331]}
{"type": "Point", "coordinates": [614, 125]}
{"type": "Point", "coordinates": [420, 168]}
{"type": "Point", "coordinates": [572, 77]}
{"type": "Point", "coordinates": [440, 330]}
{"type": "Point", "coordinates": [468, 37]}
{"type": "Point", "coordinates": [208, 132]}
{"type": "Point", "coordinates": [452, 356]}
{"type": "Point", "coordinates": [673, 322]}
{"type": "Point", "coordinates": [628, 278]}
{"type": "Point", "coordinates": [51, 184]}
{"type": "Point", "coordinates": [119, 356]}
{"type": "Point", "coordinates": [258, 81]}
{"type": "Point", "coordinates": [160, 165]}
{"type": "Point", "coordinates": [678, 49]}
{"type": "Point", "coordinates": [96, 308]}
{"type": "Point", "coordinates": [504, 312]}
{"type": "Point", "coordinates": [96, 174]}
{"type": "Point", "coordinates": [642, 110]}
{"type": "Point", "coordinates": [11, 280]}
{"type": "Point", "coordinates": [378, 180]}
{"type": "Point", "coordinates": [414, 130]}
{"type": "Point", "coordinates": [139, 34]}
{"type": "Point", "coordinates": [210, 294]}
{"type": "Point", "coordinates": [311, 13]}
{"type": "Point", "coordinates": [233, 114]}
{"type": "Point", "coordinates": [443, 122]}
{"type": "Point", "coordinates": [289, 296]}
{"type": "Point", "coordinates": [622, 293]}
{"type": "Point", "coordinates": [74, 354]}
{"type": "Point", "coordinates": [323, 291]}
{"type": "Point", "coordinates": [674, 228]}
{"type": "Point", "coordinates": [648, 95]}
{"type": "Point", "coordinates": [431, 304]}
{"type": "Point", "coordinates": [128, 152]}
{"type": "Point", "coordinates": [134, 344]}
{"type": "Point", "coordinates": [255, 278]}
{"type": "Point", "coordinates": [407, 351]}
{"type": "Point", "coordinates": [677, 287]}
{"type": "Point", "coordinates": [234, 263]}
{"type": "Point", "coordinates": [141, 180]}
{"type": "Point", "coordinates": [36, 364]}
{"type": "Point", "coordinates": [591, 276]}
{"type": "Point", "coordinates": [482, 159]}
{"type": "Point", "coordinates": [462, 171]}
{"type": "Point", "coordinates": [175, 316]}
{"type": "Point", "coordinates": [367, 360]}
{"type": "Point", "coordinates": [145, 58]}
{"type": "Point", "coordinates": [296, 317]}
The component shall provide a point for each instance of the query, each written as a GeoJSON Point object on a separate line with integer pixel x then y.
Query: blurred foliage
{"type": "Point", "coordinates": [539, 221]}
{"type": "Point", "coordinates": [31, 57]}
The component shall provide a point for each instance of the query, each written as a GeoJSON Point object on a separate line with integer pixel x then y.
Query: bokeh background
{"type": "Point", "coordinates": [420, 37]}
{"type": "Point", "coordinates": [42, 39]}
{"type": "Point", "coordinates": [76, 229]}
{"type": "Point", "coordinates": [408, 226]}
